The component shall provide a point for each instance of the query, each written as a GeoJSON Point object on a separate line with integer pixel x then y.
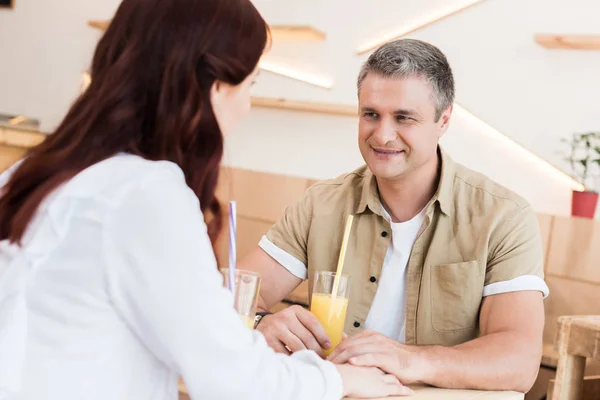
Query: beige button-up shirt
{"type": "Point", "coordinates": [476, 233]}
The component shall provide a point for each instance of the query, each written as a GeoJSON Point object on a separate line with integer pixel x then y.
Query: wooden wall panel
{"type": "Point", "coordinates": [311, 182]}
{"type": "Point", "coordinates": [259, 195]}
{"type": "Point", "coordinates": [540, 387]}
{"type": "Point", "coordinates": [221, 249]}
{"type": "Point", "coordinates": [569, 297]}
{"type": "Point", "coordinates": [10, 155]}
{"type": "Point", "coordinates": [545, 222]}
{"type": "Point", "coordinates": [575, 249]}
{"type": "Point", "coordinates": [20, 138]}
{"type": "Point", "coordinates": [261, 199]}
{"type": "Point", "coordinates": [591, 388]}
{"type": "Point", "coordinates": [249, 232]}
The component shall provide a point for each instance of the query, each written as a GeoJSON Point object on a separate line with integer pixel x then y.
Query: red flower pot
{"type": "Point", "coordinates": [583, 204]}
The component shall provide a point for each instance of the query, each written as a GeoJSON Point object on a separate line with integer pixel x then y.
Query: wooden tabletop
{"type": "Point", "coordinates": [429, 393]}
{"type": "Point", "coordinates": [578, 339]}
{"type": "Point", "coordinates": [584, 337]}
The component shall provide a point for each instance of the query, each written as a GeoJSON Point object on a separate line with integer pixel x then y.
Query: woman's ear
{"type": "Point", "coordinates": [215, 93]}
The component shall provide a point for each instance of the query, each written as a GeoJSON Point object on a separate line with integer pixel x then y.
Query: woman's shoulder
{"type": "Point", "coordinates": [112, 179]}
{"type": "Point", "coordinates": [128, 167]}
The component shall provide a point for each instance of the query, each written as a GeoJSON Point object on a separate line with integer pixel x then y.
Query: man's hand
{"type": "Point", "coordinates": [294, 329]}
{"type": "Point", "coordinates": [372, 349]}
{"type": "Point", "coordinates": [505, 357]}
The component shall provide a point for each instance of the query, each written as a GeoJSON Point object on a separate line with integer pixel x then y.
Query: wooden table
{"type": "Point", "coordinates": [429, 393]}
{"type": "Point", "coordinates": [578, 338]}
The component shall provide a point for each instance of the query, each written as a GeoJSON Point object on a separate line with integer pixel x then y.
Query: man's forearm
{"type": "Point", "coordinates": [499, 361]}
{"type": "Point", "coordinates": [261, 305]}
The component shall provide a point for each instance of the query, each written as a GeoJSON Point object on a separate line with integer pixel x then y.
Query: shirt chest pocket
{"type": "Point", "coordinates": [456, 293]}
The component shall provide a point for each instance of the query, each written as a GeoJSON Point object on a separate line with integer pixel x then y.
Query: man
{"type": "Point", "coordinates": [446, 265]}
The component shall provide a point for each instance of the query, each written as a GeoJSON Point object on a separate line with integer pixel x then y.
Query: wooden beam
{"type": "Point", "coordinates": [296, 33]}
{"type": "Point", "coordinates": [569, 42]}
{"type": "Point", "coordinates": [278, 32]}
{"type": "Point", "coordinates": [10, 4]}
{"type": "Point", "coordinates": [305, 106]}
{"type": "Point", "coordinates": [22, 139]}
{"type": "Point", "coordinates": [9, 156]}
{"type": "Point", "coordinates": [102, 25]}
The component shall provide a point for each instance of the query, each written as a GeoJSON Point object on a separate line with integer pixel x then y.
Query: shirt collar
{"type": "Point", "coordinates": [445, 191]}
{"type": "Point", "coordinates": [369, 197]}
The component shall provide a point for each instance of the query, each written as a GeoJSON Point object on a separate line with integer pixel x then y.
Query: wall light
{"type": "Point", "coordinates": [517, 148]}
{"type": "Point", "coordinates": [416, 25]}
{"type": "Point", "coordinates": [280, 68]}
{"type": "Point", "coordinates": [17, 120]}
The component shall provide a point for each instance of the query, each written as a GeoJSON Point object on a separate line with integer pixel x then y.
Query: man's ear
{"type": "Point", "coordinates": [444, 120]}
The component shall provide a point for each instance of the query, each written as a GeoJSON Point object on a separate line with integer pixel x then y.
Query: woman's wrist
{"type": "Point", "coordinates": [343, 371]}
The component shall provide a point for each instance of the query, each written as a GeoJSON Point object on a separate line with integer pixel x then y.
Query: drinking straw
{"type": "Point", "coordinates": [342, 256]}
{"type": "Point", "coordinates": [232, 246]}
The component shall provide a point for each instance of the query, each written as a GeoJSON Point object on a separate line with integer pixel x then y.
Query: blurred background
{"type": "Point", "coordinates": [527, 109]}
{"type": "Point", "coordinates": [516, 98]}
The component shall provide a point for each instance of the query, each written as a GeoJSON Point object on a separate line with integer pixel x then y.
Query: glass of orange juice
{"type": "Point", "coordinates": [246, 289]}
{"type": "Point", "coordinates": [328, 307]}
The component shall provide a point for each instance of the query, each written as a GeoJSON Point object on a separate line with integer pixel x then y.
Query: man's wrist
{"type": "Point", "coordinates": [425, 362]}
{"type": "Point", "coordinates": [259, 316]}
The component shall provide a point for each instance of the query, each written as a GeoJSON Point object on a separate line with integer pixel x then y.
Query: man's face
{"type": "Point", "coordinates": [397, 131]}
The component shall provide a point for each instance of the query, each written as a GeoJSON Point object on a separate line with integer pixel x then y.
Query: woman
{"type": "Point", "coordinates": [109, 287]}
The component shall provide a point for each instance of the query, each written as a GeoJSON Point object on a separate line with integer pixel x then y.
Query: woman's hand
{"type": "Point", "coordinates": [367, 382]}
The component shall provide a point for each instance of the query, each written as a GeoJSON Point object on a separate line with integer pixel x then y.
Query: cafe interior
{"type": "Point", "coordinates": [526, 115]}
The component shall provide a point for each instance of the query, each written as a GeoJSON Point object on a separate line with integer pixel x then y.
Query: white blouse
{"type": "Point", "coordinates": [115, 293]}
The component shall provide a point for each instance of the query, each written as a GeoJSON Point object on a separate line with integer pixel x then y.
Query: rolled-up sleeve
{"type": "Point", "coordinates": [287, 239]}
{"type": "Point", "coordinates": [516, 259]}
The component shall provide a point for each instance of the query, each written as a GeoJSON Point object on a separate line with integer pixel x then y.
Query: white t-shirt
{"type": "Point", "coordinates": [388, 310]}
{"type": "Point", "coordinates": [115, 293]}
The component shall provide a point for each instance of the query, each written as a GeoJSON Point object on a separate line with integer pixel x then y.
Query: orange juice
{"type": "Point", "coordinates": [331, 312]}
{"type": "Point", "coordinates": [248, 320]}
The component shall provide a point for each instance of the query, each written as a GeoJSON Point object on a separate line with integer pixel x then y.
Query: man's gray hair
{"type": "Point", "coordinates": [409, 57]}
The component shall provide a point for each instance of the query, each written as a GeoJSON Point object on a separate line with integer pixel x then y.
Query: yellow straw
{"type": "Point", "coordinates": [340, 265]}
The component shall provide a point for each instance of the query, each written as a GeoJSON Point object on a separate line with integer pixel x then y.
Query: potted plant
{"type": "Point", "coordinates": [584, 158]}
